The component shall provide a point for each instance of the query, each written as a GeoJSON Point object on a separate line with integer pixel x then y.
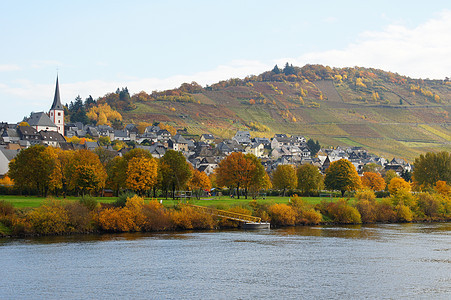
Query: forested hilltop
{"type": "Point", "coordinates": [386, 113]}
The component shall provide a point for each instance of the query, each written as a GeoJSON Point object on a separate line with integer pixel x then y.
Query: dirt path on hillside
{"type": "Point", "coordinates": [328, 89]}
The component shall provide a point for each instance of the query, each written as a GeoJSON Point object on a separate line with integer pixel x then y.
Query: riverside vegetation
{"type": "Point", "coordinates": [47, 170]}
{"type": "Point", "coordinates": [133, 214]}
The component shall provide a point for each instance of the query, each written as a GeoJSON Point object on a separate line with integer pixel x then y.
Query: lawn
{"type": "Point", "coordinates": [33, 201]}
{"type": "Point", "coordinates": [221, 202]}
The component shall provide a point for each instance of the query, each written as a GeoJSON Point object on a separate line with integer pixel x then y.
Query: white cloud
{"type": "Point", "coordinates": [5, 68]}
{"type": "Point", "coordinates": [421, 52]}
{"type": "Point", "coordinates": [98, 88]}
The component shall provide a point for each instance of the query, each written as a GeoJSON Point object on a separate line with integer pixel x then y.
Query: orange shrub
{"type": "Point", "coordinates": [156, 217]}
{"type": "Point", "coordinates": [282, 215]}
{"type": "Point", "coordinates": [115, 219]}
{"type": "Point", "coordinates": [442, 188]}
{"type": "Point", "coordinates": [189, 218]}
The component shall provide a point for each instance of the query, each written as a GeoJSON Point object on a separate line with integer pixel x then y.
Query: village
{"type": "Point", "coordinates": [203, 152]}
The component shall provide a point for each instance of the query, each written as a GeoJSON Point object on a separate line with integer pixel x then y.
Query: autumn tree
{"type": "Point", "coordinates": [175, 171]}
{"type": "Point", "coordinates": [373, 181]}
{"type": "Point", "coordinates": [141, 174]}
{"type": "Point", "coordinates": [117, 168]}
{"type": "Point", "coordinates": [168, 127]}
{"type": "Point", "coordinates": [103, 114]}
{"type": "Point", "coordinates": [198, 182]}
{"type": "Point", "coordinates": [342, 175]}
{"type": "Point", "coordinates": [309, 178]}
{"type": "Point", "coordinates": [32, 169]}
{"type": "Point", "coordinates": [240, 171]}
{"type": "Point", "coordinates": [397, 184]}
{"type": "Point", "coordinates": [87, 172]}
{"type": "Point", "coordinates": [284, 177]}
{"type": "Point", "coordinates": [389, 175]}
{"type": "Point", "coordinates": [432, 167]}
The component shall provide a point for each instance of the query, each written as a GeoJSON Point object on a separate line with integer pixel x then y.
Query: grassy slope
{"type": "Point", "coordinates": [384, 127]}
{"type": "Point", "coordinates": [224, 201]}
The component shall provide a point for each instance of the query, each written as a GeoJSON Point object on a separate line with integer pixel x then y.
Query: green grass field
{"type": "Point", "coordinates": [220, 202]}
{"type": "Point", "coordinates": [32, 201]}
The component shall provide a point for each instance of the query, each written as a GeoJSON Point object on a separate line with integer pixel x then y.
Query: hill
{"type": "Point", "coordinates": [388, 114]}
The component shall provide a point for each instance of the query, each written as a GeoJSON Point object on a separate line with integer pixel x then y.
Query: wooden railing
{"type": "Point", "coordinates": [227, 214]}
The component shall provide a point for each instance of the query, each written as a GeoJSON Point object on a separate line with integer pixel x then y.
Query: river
{"type": "Point", "coordinates": [393, 261]}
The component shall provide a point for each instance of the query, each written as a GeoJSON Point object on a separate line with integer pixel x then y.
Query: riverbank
{"type": "Point", "coordinates": [56, 217]}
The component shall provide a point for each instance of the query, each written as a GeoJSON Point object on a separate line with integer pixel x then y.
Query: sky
{"type": "Point", "coordinates": [96, 47]}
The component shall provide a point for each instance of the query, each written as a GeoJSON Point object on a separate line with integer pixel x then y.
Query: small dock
{"type": "Point", "coordinates": [247, 222]}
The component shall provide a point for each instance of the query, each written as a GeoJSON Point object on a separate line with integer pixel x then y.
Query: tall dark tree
{"type": "Point", "coordinates": [77, 111]}
{"type": "Point", "coordinates": [89, 102]}
{"type": "Point", "coordinates": [289, 69]}
{"type": "Point", "coordinates": [276, 70]}
{"type": "Point", "coordinates": [313, 146]}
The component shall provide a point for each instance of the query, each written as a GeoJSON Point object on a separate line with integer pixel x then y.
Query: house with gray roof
{"type": "Point", "coordinates": [52, 138]}
{"type": "Point", "coordinates": [41, 121]}
{"type": "Point", "coordinates": [28, 133]}
{"type": "Point", "coordinates": [242, 137]}
{"type": "Point", "coordinates": [5, 157]}
{"type": "Point", "coordinates": [10, 135]}
{"type": "Point", "coordinates": [178, 143]}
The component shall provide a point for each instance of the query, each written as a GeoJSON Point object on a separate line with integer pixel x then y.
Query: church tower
{"type": "Point", "coordinates": [57, 110]}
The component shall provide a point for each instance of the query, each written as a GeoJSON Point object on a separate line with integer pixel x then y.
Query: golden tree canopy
{"type": "Point", "coordinates": [373, 181]}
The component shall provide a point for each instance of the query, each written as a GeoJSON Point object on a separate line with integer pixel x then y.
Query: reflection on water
{"type": "Point", "coordinates": [336, 262]}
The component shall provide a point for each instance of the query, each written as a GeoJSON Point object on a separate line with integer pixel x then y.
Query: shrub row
{"type": "Point", "coordinates": [86, 215]}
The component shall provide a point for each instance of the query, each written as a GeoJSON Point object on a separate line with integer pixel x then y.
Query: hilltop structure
{"type": "Point", "coordinates": [57, 110]}
{"type": "Point", "coordinates": [54, 121]}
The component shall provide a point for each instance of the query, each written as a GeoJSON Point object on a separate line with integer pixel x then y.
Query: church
{"type": "Point", "coordinates": [54, 120]}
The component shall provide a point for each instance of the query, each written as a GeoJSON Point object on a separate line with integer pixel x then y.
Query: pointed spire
{"type": "Point", "coordinates": [56, 100]}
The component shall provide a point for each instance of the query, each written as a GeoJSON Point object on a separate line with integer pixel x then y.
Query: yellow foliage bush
{"type": "Point", "coordinates": [305, 213]}
{"type": "Point", "coordinates": [189, 218]}
{"type": "Point", "coordinates": [49, 218]}
{"type": "Point", "coordinates": [282, 215]}
{"type": "Point", "coordinates": [404, 213]}
{"type": "Point", "coordinates": [341, 212]}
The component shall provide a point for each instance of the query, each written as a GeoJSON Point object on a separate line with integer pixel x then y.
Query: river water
{"type": "Point", "coordinates": [398, 261]}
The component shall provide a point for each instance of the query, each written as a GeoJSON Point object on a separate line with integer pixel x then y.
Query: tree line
{"type": "Point", "coordinates": [46, 170]}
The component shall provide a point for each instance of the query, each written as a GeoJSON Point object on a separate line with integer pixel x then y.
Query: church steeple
{"type": "Point", "coordinates": [56, 100]}
{"type": "Point", "coordinates": [56, 113]}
